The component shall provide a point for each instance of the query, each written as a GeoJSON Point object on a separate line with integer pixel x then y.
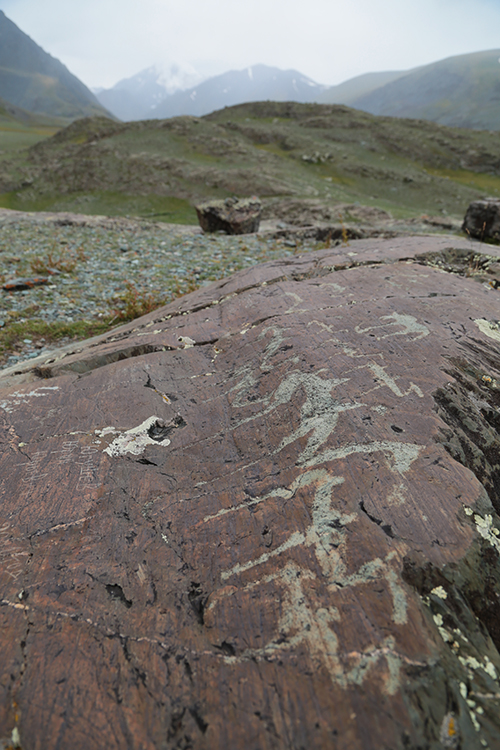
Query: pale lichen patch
{"type": "Point", "coordinates": [485, 527]}
{"type": "Point", "coordinates": [447, 637]}
{"type": "Point", "coordinates": [492, 330]}
{"type": "Point", "coordinates": [440, 592]}
{"type": "Point", "coordinates": [136, 439]}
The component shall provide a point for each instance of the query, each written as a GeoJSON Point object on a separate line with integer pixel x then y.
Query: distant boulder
{"type": "Point", "coordinates": [482, 219]}
{"type": "Point", "coordinates": [232, 215]}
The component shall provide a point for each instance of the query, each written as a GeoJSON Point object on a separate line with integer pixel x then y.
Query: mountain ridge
{"type": "Point", "coordinates": [135, 97]}
{"type": "Point", "coordinates": [33, 80]}
{"type": "Point", "coordinates": [462, 91]}
{"type": "Point", "coordinates": [253, 83]}
{"type": "Point", "coordinates": [458, 91]}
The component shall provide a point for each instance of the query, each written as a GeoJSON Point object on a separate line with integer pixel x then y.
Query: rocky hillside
{"type": "Point", "coordinates": [35, 81]}
{"type": "Point", "coordinates": [280, 151]}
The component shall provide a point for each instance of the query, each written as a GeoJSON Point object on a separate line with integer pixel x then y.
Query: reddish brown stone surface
{"type": "Point", "coordinates": [262, 517]}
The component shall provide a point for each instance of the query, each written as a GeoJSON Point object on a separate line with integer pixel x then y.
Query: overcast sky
{"type": "Point", "coordinates": [103, 41]}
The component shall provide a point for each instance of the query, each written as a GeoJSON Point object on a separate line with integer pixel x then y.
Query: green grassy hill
{"type": "Point", "coordinates": [462, 91]}
{"type": "Point", "coordinates": [327, 153]}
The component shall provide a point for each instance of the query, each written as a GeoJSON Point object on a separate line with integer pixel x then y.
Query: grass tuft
{"type": "Point", "coordinates": [43, 333]}
{"type": "Point", "coordinates": [133, 303]}
{"type": "Point", "coordinates": [57, 264]}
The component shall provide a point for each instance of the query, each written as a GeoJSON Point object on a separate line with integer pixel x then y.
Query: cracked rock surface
{"type": "Point", "coordinates": [264, 516]}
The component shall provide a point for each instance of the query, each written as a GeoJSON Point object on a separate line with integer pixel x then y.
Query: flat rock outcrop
{"type": "Point", "coordinates": [264, 516]}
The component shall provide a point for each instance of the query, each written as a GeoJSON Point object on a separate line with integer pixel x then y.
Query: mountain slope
{"type": "Point", "coordinates": [35, 81]}
{"type": "Point", "coordinates": [348, 91]}
{"type": "Point", "coordinates": [12, 115]}
{"type": "Point", "coordinates": [462, 91]}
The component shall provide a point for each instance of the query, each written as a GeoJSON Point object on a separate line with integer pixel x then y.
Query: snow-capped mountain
{"type": "Point", "coordinates": [137, 97]}
{"type": "Point", "coordinates": [155, 94]}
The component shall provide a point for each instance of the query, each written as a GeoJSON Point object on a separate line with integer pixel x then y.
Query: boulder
{"type": "Point", "coordinates": [263, 516]}
{"type": "Point", "coordinates": [482, 219]}
{"type": "Point", "coordinates": [232, 215]}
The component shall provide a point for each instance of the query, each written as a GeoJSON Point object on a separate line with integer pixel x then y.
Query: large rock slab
{"type": "Point", "coordinates": [264, 516]}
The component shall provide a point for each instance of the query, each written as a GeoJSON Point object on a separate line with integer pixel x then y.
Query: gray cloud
{"type": "Point", "coordinates": [102, 41]}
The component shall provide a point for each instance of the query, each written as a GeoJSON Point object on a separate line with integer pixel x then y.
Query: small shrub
{"type": "Point", "coordinates": [184, 286]}
{"type": "Point", "coordinates": [62, 262]}
{"type": "Point", "coordinates": [132, 303]}
{"type": "Point", "coordinates": [50, 264]}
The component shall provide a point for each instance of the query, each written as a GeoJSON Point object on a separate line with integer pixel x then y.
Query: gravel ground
{"type": "Point", "coordinates": [89, 262]}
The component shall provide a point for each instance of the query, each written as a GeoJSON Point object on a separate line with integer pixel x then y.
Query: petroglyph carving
{"type": "Point", "coordinates": [409, 325]}
{"type": "Point", "coordinates": [380, 372]}
{"type": "Point", "coordinates": [16, 399]}
{"type": "Point", "coordinates": [33, 470]}
{"type": "Point", "coordinates": [12, 557]}
{"type": "Point", "coordinates": [315, 628]}
{"type": "Point", "coordinates": [321, 406]}
{"type": "Point", "coordinates": [66, 453]}
{"type": "Point", "coordinates": [87, 466]}
{"type": "Point", "coordinates": [300, 621]}
{"type": "Point", "coordinates": [70, 454]}
{"type": "Point", "coordinates": [295, 309]}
